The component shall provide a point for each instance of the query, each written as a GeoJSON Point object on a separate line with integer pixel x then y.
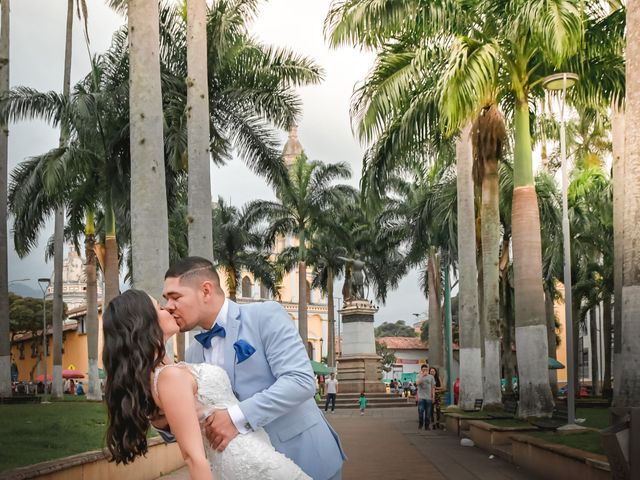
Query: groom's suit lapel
{"type": "Point", "coordinates": [232, 329]}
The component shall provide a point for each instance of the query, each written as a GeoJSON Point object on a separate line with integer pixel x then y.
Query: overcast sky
{"type": "Point", "coordinates": [37, 55]}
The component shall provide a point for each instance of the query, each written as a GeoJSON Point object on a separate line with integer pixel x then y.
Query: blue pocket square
{"type": "Point", "coordinates": [243, 350]}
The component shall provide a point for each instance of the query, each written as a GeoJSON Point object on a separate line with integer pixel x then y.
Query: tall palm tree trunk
{"type": "Point", "coordinates": [111, 262]}
{"type": "Point", "coordinates": [480, 285]}
{"type": "Point", "coordinates": [435, 311]}
{"type": "Point", "coordinates": [506, 313]}
{"type": "Point", "coordinates": [199, 191]}
{"type": "Point", "coordinates": [531, 328]}
{"type": "Point", "coordinates": [508, 357]}
{"type": "Point", "coordinates": [627, 386]}
{"type": "Point", "coordinates": [232, 283]}
{"type": "Point", "coordinates": [302, 304]}
{"type": "Point", "coordinates": [551, 337]}
{"type": "Point", "coordinates": [58, 230]}
{"type": "Point", "coordinates": [5, 342]}
{"type": "Point", "coordinates": [91, 320]}
{"type": "Point", "coordinates": [607, 332]}
{"type": "Point", "coordinates": [593, 337]}
{"type": "Point", "coordinates": [490, 231]}
{"type": "Point", "coordinates": [199, 196]}
{"type": "Point", "coordinates": [149, 219]}
{"type": "Point", "coordinates": [331, 327]}
{"type": "Point", "coordinates": [575, 315]}
{"type": "Point", "coordinates": [617, 141]}
{"type": "Point", "coordinates": [468, 315]}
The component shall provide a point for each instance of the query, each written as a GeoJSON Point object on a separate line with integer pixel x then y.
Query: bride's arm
{"type": "Point", "coordinates": [176, 396]}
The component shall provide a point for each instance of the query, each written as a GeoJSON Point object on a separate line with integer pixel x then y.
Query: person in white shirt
{"type": "Point", "coordinates": [332, 392]}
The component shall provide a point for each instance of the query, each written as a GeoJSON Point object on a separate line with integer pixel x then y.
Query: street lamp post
{"type": "Point", "coordinates": [44, 285]}
{"type": "Point", "coordinates": [559, 82]}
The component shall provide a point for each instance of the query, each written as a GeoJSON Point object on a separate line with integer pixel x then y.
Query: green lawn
{"type": "Point", "coordinates": [595, 417]}
{"type": "Point", "coordinates": [589, 441]}
{"type": "Point", "coordinates": [34, 433]}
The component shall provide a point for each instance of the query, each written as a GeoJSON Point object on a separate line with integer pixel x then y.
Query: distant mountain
{"type": "Point", "coordinates": [24, 290]}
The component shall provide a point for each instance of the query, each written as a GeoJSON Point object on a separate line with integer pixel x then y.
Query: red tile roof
{"type": "Point", "coordinates": [403, 343]}
{"type": "Point", "coordinates": [406, 343]}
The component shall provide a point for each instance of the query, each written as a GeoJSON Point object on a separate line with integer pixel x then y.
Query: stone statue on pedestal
{"type": "Point", "coordinates": [355, 283]}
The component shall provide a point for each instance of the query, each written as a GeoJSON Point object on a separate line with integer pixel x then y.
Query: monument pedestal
{"type": "Point", "coordinates": [359, 367]}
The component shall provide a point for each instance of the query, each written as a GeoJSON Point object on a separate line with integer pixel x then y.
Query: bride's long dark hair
{"type": "Point", "coordinates": [133, 348]}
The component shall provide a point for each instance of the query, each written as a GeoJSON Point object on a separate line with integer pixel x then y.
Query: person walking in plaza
{"type": "Point", "coordinates": [332, 392]}
{"type": "Point", "coordinates": [405, 388]}
{"type": "Point", "coordinates": [363, 403]}
{"type": "Point", "coordinates": [426, 396]}
{"type": "Point", "coordinates": [439, 389]}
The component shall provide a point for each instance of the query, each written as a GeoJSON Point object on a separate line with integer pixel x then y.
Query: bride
{"type": "Point", "coordinates": [142, 382]}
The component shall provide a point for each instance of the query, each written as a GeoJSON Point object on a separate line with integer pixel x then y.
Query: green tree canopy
{"type": "Point", "coordinates": [388, 358]}
{"type": "Point", "coordinates": [25, 314]}
{"type": "Point", "coordinates": [397, 329]}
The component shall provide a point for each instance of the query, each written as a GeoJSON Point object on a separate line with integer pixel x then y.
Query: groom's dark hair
{"type": "Point", "coordinates": [193, 267]}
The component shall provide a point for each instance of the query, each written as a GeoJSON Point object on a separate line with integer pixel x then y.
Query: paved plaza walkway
{"type": "Point", "coordinates": [385, 444]}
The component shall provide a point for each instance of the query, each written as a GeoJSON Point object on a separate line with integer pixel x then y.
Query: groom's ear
{"type": "Point", "coordinates": [209, 289]}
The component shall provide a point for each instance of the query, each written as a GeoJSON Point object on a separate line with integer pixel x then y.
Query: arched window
{"type": "Point", "coordinates": [246, 287]}
{"type": "Point", "coordinates": [310, 350]}
{"type": "Point", "coordinates": [308, 292]}
{"type": "Point", "coordinates": [264, 291]}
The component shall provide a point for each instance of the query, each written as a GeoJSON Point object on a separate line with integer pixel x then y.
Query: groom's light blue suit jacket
{"type": "Point", "coordinates": [276, 386]}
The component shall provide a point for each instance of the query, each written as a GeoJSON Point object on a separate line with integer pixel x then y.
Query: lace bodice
{"type": "Point", "coordinates": [214, 388]}
{"type": "Point", "coordinates": [247, 457]}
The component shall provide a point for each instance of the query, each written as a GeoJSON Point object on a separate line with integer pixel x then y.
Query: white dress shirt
{"type": "Point", "coordinates": [215, 356]}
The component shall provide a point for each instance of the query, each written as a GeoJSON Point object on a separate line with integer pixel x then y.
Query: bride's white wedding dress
{"type": "Point", "coordinates": [247, 457]}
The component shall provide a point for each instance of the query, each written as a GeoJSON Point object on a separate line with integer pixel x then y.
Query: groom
{"type": "Point", "coordinates": [258, 346]}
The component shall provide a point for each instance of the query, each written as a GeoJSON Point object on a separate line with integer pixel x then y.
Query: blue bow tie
{"type": "Point", "coordinates": [205, 337]}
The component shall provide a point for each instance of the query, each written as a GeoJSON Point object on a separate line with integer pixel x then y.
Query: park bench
{"type": "Point", "coordinates": [559, 417]}
{"type": "Point", "coordinates": [509, 410]}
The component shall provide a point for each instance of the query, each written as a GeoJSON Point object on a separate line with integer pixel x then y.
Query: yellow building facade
{"type": "Point", "coordinates": [26, 350]}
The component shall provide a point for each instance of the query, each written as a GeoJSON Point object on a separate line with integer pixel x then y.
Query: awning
{"type": "Point", "coordinates": [555, 364]}
{"type": "Point", "coordinates": [320, 368]}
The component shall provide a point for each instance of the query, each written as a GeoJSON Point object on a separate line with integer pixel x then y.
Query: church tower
{"type": "Point", "coordinates": [293, 148]}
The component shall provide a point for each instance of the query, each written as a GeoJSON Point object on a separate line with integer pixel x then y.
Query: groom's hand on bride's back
{"type": "Point", "coordinates": [220, 429]}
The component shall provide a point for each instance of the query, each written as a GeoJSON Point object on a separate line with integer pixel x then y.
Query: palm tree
{"type": "Point", "coordinates": [489, 136]}
{"type": "Point", "coordinates": [627, 387]}
{"type": "Point", "coordinates": [397, 109]}
{"type": "Point", "coordinates": [237, 248]}
{"type": "Point", "coordinates": [5, 344]}
{"type": "Point", "coordinates": [57, 385]}
{"type": "Point", "coordinates": [421, 215]}
{"type": "Point", "coordinates": [324, 257]}
{"type": "Point", "coordinates": [618, 164]}
{"type": "Point", "coordinates": [84, 173]}
{"type": "Point", "coordinates": [468, 314]}
{"type": "Point", "coordinates": [302, 196]}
